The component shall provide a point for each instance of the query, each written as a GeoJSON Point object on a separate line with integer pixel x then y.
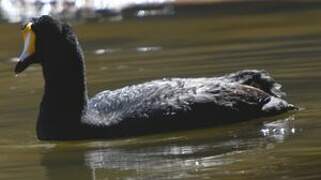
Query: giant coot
{"type": "Point", "coordinates": [156, 106]}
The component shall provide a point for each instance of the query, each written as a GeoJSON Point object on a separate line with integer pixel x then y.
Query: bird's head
{"type": "Point", "coordinates": [42, 37]}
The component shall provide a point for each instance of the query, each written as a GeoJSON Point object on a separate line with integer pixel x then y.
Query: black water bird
{"type": "Point", "coordinates": [155, 106]}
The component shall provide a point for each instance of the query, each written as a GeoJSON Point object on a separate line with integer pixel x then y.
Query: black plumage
{"type": "Point", "coordinates": [155, 106]}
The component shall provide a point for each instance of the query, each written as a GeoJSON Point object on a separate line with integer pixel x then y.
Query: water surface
{"type": "Point", "coordinates": [285, 41]}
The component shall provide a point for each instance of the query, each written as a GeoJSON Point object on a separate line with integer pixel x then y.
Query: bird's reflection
{"type": "Point", "coordinates": [172, 159]}
{"type": "Point", "coordinates": [279, 130]}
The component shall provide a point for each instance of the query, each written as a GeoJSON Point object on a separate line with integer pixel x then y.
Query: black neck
{"type": "Point", "coordinates": [65, 94]}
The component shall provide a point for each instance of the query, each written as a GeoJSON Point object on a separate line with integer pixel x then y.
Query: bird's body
{"type": "Point", "coordinates": [171, 98]}
{"type": "Point", "coordinates": [155, 106]}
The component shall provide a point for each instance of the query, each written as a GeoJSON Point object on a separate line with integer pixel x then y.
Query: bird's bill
{"type": "Point", "coordinates": [27, 56]}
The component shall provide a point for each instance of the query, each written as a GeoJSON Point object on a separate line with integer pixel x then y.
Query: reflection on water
{"type": "Point", "coordinates": [105, 51]}
{"type": "Point", "coordinates": [148, 48]}
{"type": "Point", "coordinates": [179, 159]}
{"type": "Point", "coordinates": [191, 155]}
{"type": "Point", "coordinates": [140, 49]}
{"type": "Point", "coordinates": [279, 130]}
{"type": "Point", "coordinates": [164, 11]}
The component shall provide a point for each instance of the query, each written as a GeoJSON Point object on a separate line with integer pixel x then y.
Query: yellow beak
{"type": "Point", "coordinates": [28, 55]}
{"type": "Point", "coordinates": [29, 38]}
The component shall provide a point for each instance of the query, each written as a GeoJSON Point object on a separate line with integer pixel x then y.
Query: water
{"type": "Point", "coordinates": [284, 40]}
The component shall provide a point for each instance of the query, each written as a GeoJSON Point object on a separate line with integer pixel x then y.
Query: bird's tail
{"type": "Point", "coordinates": [259, 79]}
{"type": "Point", "coordinates": [277, 105]}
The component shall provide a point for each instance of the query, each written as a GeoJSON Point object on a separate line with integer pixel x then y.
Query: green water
{"type": "Point", "coordinates": [286, 43]}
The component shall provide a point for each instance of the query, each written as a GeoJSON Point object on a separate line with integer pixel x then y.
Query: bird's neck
{"type": "Point", "coordinates": [67, 91]}
{"type": "Point", "coordinates": [64, 101]}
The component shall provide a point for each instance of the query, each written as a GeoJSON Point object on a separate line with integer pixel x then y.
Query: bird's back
{"type": "Point", "coordinates": [179, 102]}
